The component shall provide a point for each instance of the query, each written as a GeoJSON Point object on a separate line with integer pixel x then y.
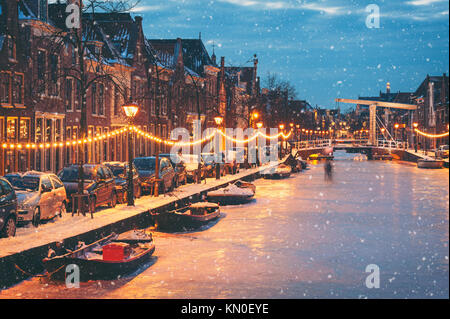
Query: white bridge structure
{"type": "Point", "coordinates": [374, 120]}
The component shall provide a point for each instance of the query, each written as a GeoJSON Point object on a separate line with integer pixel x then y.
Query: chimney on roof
{"type": "Point", "coordinates": [213, 56]}
{"type": "Point", "coordinates": [222, 67]}
{"type": "Point", "coordinates": [255, 74]}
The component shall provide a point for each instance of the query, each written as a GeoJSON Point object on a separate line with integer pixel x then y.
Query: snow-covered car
{"type": "Point", "coordinates": [146, 167]}
{"type": "Point", "coordinates": [179, 167]}
{"type": "Point", "coordinates": [40, 196]}
{"type": "Point", "coordinates": [192, 166]}
{"type": "Point", "coordinates": [98, 183]}
{"type": "Point", "coordinates": [120, 172]}
{"type": "Point", "coordinates": [442, 151]}
{"type": "Point", "coordinates": [210, 164]}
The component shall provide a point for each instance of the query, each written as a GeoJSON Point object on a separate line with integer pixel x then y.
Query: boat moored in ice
{"type": "Point", "coordinates": [234, 194]}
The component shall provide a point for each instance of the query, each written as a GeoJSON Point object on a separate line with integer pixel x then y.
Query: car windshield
{"type": "Point", "coordinates": [145, 164]}
{"type": "Point", "coordinates": [70, 174]}
{"type": "Point", "coordinates": [118, 171]}
{"type": "Point", "coordinates": [28, 183]}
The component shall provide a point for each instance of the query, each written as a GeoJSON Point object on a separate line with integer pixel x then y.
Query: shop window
{"type": "Point", "coordinates": [24, 130]}
{"type": "Point", "coordinates": [11, 129]}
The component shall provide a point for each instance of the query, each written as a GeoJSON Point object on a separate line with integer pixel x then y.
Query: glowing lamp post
{"type": "Point", "coordinates": [396, 126]}
{"type": "Point", "coordinates": [219, 121]}
{"type": "Point", "coordinates": [415, 125]}
{"type": "Point", "coordinates": [259, 125]}
{"type": "Point", "coordinates": [130, 109]}
{"type": "Point", "coordinates": [281, 126]}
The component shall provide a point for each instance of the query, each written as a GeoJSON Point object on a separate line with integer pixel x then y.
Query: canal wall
{"type": "Point", "coordinates": [27, 251]}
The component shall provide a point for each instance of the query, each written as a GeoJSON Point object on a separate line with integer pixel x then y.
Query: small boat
{"type": "Point", "coordinates": [187, 218]}
{"type": "Point", "coordinates": [430, 163]}
{"type": "Point", "coordinates": [234, 194]}
{"type": "Point", "coordinates": [106, 259]}
{"type": "Point", "coordinates": [280, 171]}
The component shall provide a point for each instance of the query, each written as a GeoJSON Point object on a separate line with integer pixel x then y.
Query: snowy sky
{"type": "Point", "coordinates": [323, 47]}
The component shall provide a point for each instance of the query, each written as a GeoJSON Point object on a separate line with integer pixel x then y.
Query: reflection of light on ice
{"type": "Point", "coordinates": [360, 158]}
{"type": "Point", "coordinates": [306, 238]}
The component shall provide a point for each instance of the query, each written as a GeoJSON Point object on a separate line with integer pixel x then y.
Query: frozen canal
{"type": "Point", "coordinates": [302, 238]}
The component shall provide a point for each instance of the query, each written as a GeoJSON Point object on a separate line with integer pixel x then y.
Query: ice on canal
{"type": "Point", "coordinates": [303, 237]}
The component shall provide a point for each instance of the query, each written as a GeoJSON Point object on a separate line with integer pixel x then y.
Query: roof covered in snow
{"type": "Point", "coordinates": [195, 55]}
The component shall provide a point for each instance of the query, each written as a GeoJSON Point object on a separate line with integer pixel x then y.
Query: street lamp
{"type": "Point", "coordinates": [415, 125]}
{"type": "Point", "coordinates": [281, 126]}
{"type": "Point", "coordinates": [130, 109]}
{"type": "Point", "coordinates": [219, 121]}
{"type": "Point", "coordinates": [396, 126]}
{"type": "Point", "coordinates": [259, 125]}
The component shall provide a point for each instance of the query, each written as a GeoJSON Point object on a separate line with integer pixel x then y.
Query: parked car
{"type": "Point", "coordinates": [146, 170]}
{"type": "Point", "coordinates": [210, 163]}
{"type": "Point", "coordinates": [442, 151]}
{"type": "Point", "coordinates": [179, 166]}
{"type": "Point", "coordinates": [231, 158]}
{"type": "Point", "coordinates": [8, 209]}
{"type": "Point", "coordinates": [40, 196]}
{"type": "Point", "coordinates": [120, 171]}
{"type": "Point", "coordinates": [99, 184]}
{"type": "Point", "coordinates": [192, 167]}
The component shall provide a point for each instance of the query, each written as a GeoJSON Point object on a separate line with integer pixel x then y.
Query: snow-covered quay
{"type": "Point", "coordinates": [32, 242]}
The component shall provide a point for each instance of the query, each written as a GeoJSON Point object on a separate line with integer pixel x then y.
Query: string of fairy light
{"type": "Point", "coordinates": [148, 136]}
{"type": "Point", "coordinates": [431, 135]}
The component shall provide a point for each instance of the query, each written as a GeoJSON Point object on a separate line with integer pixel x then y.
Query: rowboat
{"type": "Point", "coordinates": [430, 163]}
{"type": "Point", "coordinates": [234, 194]}
{"type": "Point", "coordinates": [187, 218]}
{"type": "Point", "coordinates": [108, 258]}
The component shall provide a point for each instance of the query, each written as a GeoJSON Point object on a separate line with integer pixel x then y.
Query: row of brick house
{"type": "Point", "coordinates": [173, 81]}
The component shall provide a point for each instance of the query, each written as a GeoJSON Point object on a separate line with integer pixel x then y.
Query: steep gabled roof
{"type": "Point", "coordinates": [245, 77]}
{"type": "Point", "coordinates": [120, 30]}
{"type": "Point", "coordinates": [195, 55]}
